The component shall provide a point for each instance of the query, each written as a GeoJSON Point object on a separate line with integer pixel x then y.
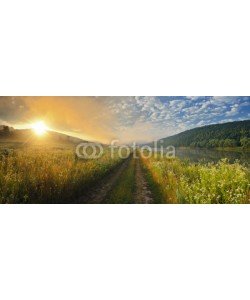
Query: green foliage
{"type": "Point", "coordinates": [245, 142]}
{"type": "Point", "coordinates": [184, 182]}
{"type": "Point", "coordinates": [230, 143]}
{"type": "Point", "coordinates": [233, 134]}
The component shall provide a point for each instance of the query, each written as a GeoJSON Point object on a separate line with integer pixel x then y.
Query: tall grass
{"type": "Point", "coordinates": [49, 176]}
{"type": "Point", "coordinates": [184, 182]}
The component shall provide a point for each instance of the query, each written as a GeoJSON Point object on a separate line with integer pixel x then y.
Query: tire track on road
{"type": "Point", "coordinates": [98, 193]}
{"type": "Point", "coordinates": [143, 193]}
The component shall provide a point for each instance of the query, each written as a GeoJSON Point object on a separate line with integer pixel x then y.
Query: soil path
{"type": "Point", "coordinates": [98, 193]}
{"type": "Point", "coordinates": [143, 193]}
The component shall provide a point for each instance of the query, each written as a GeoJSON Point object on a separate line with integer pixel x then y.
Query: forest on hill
{"type": "Point", "coordinates": [233, 134]}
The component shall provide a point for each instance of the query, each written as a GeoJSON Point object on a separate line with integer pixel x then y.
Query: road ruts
{"type": "Point", "coordinates": [143, 195]}
{"type": "Point", "coordinates": [97, 194]}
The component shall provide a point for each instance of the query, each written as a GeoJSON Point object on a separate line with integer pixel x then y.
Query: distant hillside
{"type": "Point", "coordinates": [4, 127]}
{"type": "Point", "coordinates": [9, 134]}
{"type": "Point", "coordinates": [233, 134]}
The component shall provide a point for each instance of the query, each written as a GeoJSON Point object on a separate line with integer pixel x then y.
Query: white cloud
{"type": "Point", "coordinates": [144, 118]}
{"type": "Point", "coordinates": [173, 115]}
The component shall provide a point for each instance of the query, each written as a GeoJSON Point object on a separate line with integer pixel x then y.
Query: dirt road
{"type": "Point", "coordinates": [99, 192]}
{"type": "Point", "coordinates": [143, 193]}
{"type": "Point", "coordinates": [103, 189]}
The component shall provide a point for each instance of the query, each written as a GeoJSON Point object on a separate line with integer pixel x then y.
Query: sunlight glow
{"type": "Point", "coordinates": [39, 128]}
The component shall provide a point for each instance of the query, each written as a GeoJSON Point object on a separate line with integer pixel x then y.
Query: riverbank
{"type": "Point", "coordinates": [230, 149]}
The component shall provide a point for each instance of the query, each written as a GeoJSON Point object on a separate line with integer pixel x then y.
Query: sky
{"type": "Point", "coordinates": [127, 119]}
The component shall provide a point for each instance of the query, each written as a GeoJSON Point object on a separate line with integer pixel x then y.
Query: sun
{"type": "Point", "coordinates": [39, 128]}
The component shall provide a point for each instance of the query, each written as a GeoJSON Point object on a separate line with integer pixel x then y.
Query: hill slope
{"type": "Point", "coordinates": [28, 137]}
{"type": "Point", "coordinates": [231, 134]}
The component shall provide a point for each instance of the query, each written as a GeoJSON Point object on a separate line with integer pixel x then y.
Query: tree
{"type": "Point", "coordinates": [221, 143]}
{"type": "Point", "coordinates": [213, 143]}
{"type": "Point", "coordinates": [245, 142]}
{"type": "Point", "coordinates": [230, 143]}
{"type": "Point", "coordinates": [216, 135]}
{"type": "Point", "coordinates": [5, 130]}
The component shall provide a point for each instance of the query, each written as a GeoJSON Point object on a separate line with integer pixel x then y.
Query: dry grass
{"type": "Point", "coordinates": [49, 175]}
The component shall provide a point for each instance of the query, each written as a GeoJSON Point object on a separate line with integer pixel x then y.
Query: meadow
{"type": "Point", "coordinates": [181, 181]}
{"type": "Point", "coordinates": [48, 175]}
{"type": "Point", "coordinates": [51, 174]}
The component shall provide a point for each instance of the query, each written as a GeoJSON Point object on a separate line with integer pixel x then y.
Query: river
{"type": "Point", "coordinates": [212, 155]}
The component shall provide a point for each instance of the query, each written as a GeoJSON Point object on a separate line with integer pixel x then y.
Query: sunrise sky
{"type": "Point", "coordinates": [124, 118]}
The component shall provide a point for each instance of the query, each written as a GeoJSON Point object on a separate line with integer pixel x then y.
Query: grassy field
{"type": "Point", "coordinates": [177, 181]}
{"type": "Point", "coordinates": [49, 175]}
{"type": "Point", "coordinates": [54, 175]}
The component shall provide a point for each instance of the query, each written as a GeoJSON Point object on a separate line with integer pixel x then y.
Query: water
{"type": "Point", "coordinates": [211, 155]}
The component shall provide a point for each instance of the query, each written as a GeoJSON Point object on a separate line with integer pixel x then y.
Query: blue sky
{"type": "Point", "coordinates": [127, 119]}
{"type": "Point", "coordinates": [155, 117]}
{"type": "Point", "coordinates": [207, 110]}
